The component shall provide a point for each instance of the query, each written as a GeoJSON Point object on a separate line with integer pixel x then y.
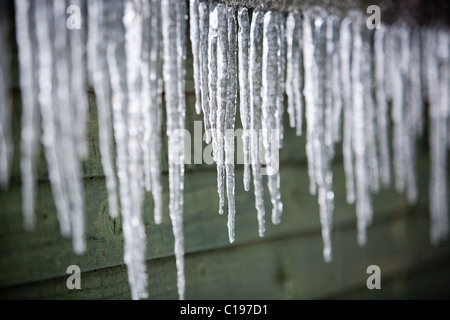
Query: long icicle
{"type": "Point", "coordinates": [230, 119]}
{"type": "Point", "coordinates": [222, 93]}
{"type": "Point", "coordinates": [115, 53]}
{"type": "Point", "coordinates": [212, 76]}
{"type": "Point", "coordinates": [369, 112]}
{"type": "Point", "coordinates": [244, 88]}
{"type": "Point", "coordinates": [156, 108]}
{"type": "Point", "coordinates": [255, 74]}
{"type": "Point", "coordinates": [363, 205]}
{"type": "Point", "coordinates": [98, 73]}
{"type": "Point", "coordinates": [270, 110]}
{"type": "Point", "coordinates": [66, 143]}
{"type": "Point", "coordinates": [438, 82]}
{"type": "Point", "coordinates": [280, 20]}
{"type": "Point", "coordinates": [394, 50]}
{"type": "Point", "coordinates": [151, 103]}
{"type": "Point", "coordinates": [30, 122]}
{"type": "Point", "coordinates": [133, 226]}
{"type": "Point", "coordinates": [45, 87]}
{"type": "Point", "coordinates": [347, 143]}
{"type": "Point", "coordinates": [382, 110]}
{"type": "Point", "coordinates": [173, 30]}
{"type": "Point", "coordinates": [320, 153]}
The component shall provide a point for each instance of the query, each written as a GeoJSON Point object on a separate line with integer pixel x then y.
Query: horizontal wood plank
{"type": "Point", "coordinates": [287, 268]}
{"type": "Point", "coordinates": [204, 228]}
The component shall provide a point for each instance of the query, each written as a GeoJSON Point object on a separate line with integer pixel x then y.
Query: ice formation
{"type": "Point", "coordinates": [350, 82]}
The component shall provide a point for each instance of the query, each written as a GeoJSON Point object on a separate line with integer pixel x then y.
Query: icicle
{"type": "Point", "coordinates": [6, 143]}
{"type": "Point", "coordinates": [255, 74]}
{"type": "Point", "coordinates": [369, 111]}
{"type": "Point", "coordinates": [230, 119]}
{"type": "Point", "coordinates": [243, 44]}
{"type": "Point", "coordinates": [309, 90]}
{"type": "Point", "coordinates": [270, 110]}
{"type": "Point", "coordinates": [404, 137]}
{"type": "Point", "coordinates": [133, 226]}
{"type": "Point", "coordinates": [363, 205]}
{"type": "Point", "coordinates": [382, 110]}
{"type": "Point", "coordinates": [347, 143]}
{"type": "Point", "coordinates": [173, 30]}
{"type": "Point", "coordinates": [151, 103]}
{"type": "Point", "coordinates": [195, 42]}
{"type": "Point", "coordinates": [203, 11]}
{"type": "Point", "coordinates": [98, 74]}
{"type": "Point", "coordinates": [409, 109]}
{"type": "Point", "coordinates": [319, 152]}
{"type": "Point", "coordinates": [293, 71]}
{"type": "Point", "coordinates": [47, 91]}
{"type": "Point", "coordinates": [146, 99]}
{"type": "Point", "coordinates": [156, 85]}
{"type": "Point", "coordinates": [394, 47]}
{"type": "Point", "coordinates": [280, 20]}
{"type": "Point", "coordinates": [212, 75]}
{"type": "Point", "coordinates": [222, 93]}
{"type": "Point", "coordinates": [30, 123]}
{"type": "Point", "coordinates": [115, 55]}
{"type": "Point", "coordinates": [46, 55]}
{"type": "Point", "coordinates": [438, 83]}
{"type": "Point", "coordinates": [66, 135]}
{"type": "Point", "coordinates": [407, 138]}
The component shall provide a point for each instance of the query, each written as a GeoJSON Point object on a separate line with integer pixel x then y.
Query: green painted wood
{"type": "Point", "coordinates": [205, 229]}
{"type": "Point", "coordinates": [286, 268]}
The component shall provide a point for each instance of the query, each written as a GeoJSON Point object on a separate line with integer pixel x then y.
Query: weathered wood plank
{"type": "Point", "coordinates": [204, 228]}
{"type": "Point", "coordinates": [287, 268]}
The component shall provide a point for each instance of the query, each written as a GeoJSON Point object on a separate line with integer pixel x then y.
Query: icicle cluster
{"type": "Point", "coordinates": [116, 60]}
{"type": "Point", "coordinates": [54, 99]}
{"type": "Point", "coordinates": [347, 75]}
{"type": "Point", "coordinates": [232, 51]}
{"type": "Point", "coordinates": [215, 75]}
{"type": "Point", "coordinates": [363, 71]}
{"type": "Point", "coordinates": [126, 68]}
{"type": "Point", "coordinates": [339, 73]}
{"type": "Point", "coordinates": [125, 42]}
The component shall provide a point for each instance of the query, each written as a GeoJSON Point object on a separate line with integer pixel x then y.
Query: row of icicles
{"type": "Point", "coordinates": [335, 71]}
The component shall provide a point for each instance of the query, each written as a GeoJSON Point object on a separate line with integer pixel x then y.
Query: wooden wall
{"type": "Point", "coordinates": [286, 264]}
